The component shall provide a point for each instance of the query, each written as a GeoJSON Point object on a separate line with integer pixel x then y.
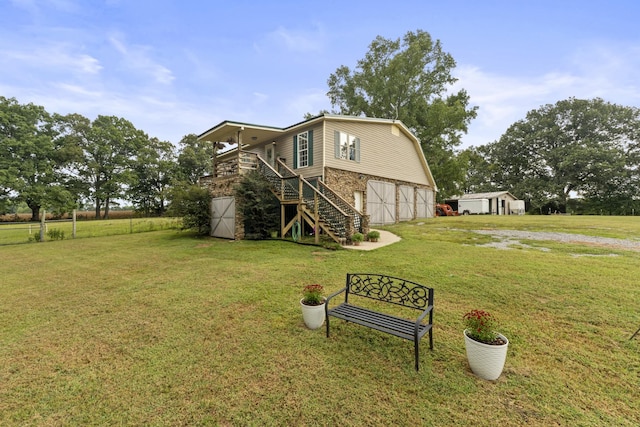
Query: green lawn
{"type": "Point", "coordinates": [163, 328]}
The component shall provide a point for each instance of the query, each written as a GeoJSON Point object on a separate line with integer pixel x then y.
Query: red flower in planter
{"type": "Point", "coordinates": [480, 326]}
{"type": "Point", "coordinates": [312, 295]}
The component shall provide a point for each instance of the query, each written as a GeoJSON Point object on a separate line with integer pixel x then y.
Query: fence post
{"type": "Point", "coordinates": [44, 214]}
{"type": "Point", "coordinates": [73, 227]}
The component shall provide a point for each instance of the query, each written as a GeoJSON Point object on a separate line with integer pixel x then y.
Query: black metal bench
{"type": "Point", "coordinates": [387, 289]}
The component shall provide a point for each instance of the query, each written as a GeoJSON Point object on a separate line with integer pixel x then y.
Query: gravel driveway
{"type": "Point", "coordinates": [511, 237]}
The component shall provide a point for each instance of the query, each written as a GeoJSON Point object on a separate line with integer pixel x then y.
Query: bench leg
{"type": "Point", "coordinates": [327, 323]}
{"type": "Point", "coordinates": [416, 345]}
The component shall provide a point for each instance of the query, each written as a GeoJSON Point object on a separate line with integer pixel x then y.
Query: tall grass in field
{"type": "Point", "coordinates": [164, 328]}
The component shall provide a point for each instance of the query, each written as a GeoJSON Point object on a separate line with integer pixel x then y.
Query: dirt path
{"type": "Point", "coordinates": [510, 237]}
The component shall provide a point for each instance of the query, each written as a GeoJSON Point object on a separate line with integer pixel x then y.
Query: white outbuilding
{"type": "Point", "coordinates": [500, 202]}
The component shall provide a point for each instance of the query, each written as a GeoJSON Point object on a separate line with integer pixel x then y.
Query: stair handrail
{"type": "Point", "coordinates": [270, 173]}
{"type": "Point", "coordinates": [292, 174]}
{"type": "Point", "coordinates": [289, 173]}
{"type": "Point", "coordinates": [286, 176]}
{"type": "Point", "coordinates": [343, 204]}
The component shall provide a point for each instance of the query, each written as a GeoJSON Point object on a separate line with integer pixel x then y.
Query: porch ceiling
{"type": "Point", "coordinates": [251, 134]}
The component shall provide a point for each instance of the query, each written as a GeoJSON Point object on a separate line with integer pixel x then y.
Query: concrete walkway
{"type": "Point", "coordinates": [386, 238]}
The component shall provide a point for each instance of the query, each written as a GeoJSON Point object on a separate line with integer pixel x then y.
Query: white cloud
{"type": "Point", "coordinates": [260, 98]}
{"type": "Point", "coordinates": [138, 58]}
{"type": "Point", "coordinates": [76, 90]}
{"type": "Point", "coordinates": [310, 101]}
{"type": "Point", "coordinates": [300, 41]}
{"type": "Point", "coordinates": [59, 56]}
{"type": "Point", "coordinates": [170, 120]}
{"type": "Point", "coordinates": [608, 72]}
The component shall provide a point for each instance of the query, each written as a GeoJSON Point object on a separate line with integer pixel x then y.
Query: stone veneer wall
{"type": "Point", "coordinates": [346, 182]}
{"type": "Point", "coordinates": [225, 187]}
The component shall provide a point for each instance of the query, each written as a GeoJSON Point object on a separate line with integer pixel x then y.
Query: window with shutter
{"type": "Point", "coordinates": [347, 146]}
{"type": "Point", "coordinates": [303, 150]}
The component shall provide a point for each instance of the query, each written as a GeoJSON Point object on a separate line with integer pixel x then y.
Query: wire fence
{"type": "Point", "coordinates": [59, 229]}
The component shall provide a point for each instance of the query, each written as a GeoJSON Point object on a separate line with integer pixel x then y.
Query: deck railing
{"type": "Point", "coordinates": [247, 161]}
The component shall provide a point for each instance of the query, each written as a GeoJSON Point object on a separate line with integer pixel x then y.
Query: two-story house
{"type": "Point", "coordinates": [357, 171]}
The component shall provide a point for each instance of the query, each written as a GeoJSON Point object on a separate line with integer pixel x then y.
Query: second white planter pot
{"type": "Point", "coordinates": [313, 315]}
{"type": "Point", "coordinates": [485, 360]}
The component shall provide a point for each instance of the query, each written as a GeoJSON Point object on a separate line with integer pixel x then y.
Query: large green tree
{"type": "Point", "coordinates": [193, 204]}
{"type": "Point", "coordinates": [587, 148]}
{"type": "Point", "coordinates": [477, 171]}
{"type": "Point", "coordinates": [410, 79]}
{"type": "Point", "coordinates": [32, 158]}
{"type": "Point", "coordinates": [194, 159]}
{"type": "Point", "coordinates": [151, 175]}
{"type": "Point", "coordinates": [75, 129]}
{"type": "Point", "coordinates": [112, 145]}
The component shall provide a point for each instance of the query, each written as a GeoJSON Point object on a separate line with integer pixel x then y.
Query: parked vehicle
{"type": "Point", "coordinates": [442, 209]}
{"type": "Point", "coordinates": [473, 207]}
{"type": "Point", "coordinates": [517, 207]}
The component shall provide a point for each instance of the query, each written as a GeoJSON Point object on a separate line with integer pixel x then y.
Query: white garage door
{"type": "Point", "coordinates": [424, 203]}
{"type": "Point", "coordinates": [223, 217]}
{"type": "Point", "coordinates": [381, 202]}
{"type": "Point", "coordinates": [406, 202]}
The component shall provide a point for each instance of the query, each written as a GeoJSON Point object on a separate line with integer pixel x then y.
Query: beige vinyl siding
{"type": "Point", "coordinates": [284, 149]}
{"type": "Point", "coordinates": [384, 151]}
{"type": "Point", "coordinates": [259, 150]}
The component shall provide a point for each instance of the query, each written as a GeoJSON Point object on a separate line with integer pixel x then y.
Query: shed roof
{"type": "Point", "coordinates": [491, 195]}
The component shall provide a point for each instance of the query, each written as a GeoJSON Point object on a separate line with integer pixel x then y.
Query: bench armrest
{"type": "Point", "coordinates": [335, 294]}
{"type": "Point", "coordinates": [326, 305]}
{"type": "Point", "coordinates": [428, 310]}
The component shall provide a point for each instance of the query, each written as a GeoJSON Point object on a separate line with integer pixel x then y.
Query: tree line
{"type": "Point", "coordinates": [578, 155]}
{"type": "Point", "coordinates": [63, 162]}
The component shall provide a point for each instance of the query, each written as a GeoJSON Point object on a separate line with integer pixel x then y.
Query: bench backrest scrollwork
{"type": "Point", "coordinates": [390, 289]}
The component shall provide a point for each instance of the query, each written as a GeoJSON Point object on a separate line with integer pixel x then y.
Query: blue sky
{"type": "Point", "coordinates": [177, 67]}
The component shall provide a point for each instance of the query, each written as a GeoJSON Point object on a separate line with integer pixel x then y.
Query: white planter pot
{"type": "Point", "coordinates": [313, 315]}
{"type": "Point", "coordinates": [485, 360]}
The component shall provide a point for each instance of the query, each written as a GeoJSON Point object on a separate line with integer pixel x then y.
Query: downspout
{"type": "Point", "coordinates": [214, 160]}
{"type": "Point", "coordinates": [239, 138]}
{"type": "Point", "coordinates": [324, 146]}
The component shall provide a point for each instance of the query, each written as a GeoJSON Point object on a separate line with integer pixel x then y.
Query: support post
{"type": "Point", "coordinates": [316, 219]}
{"type": "Point", "coordinates": [42, 225]}
{"type": "Point", "coordinates": [73, 227]}
{"type": "Point", "coordinates": [239, 158]}
{"type": "Point", "coordinates": [282, 224]}
{"type": "Point", "coordinates": [300, 202]}
{"type": "Point", "coordinates": [214, 160]}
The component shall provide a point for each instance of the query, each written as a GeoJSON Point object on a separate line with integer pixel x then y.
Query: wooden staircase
{"type": "Point", "coordinates": [318, 206]}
